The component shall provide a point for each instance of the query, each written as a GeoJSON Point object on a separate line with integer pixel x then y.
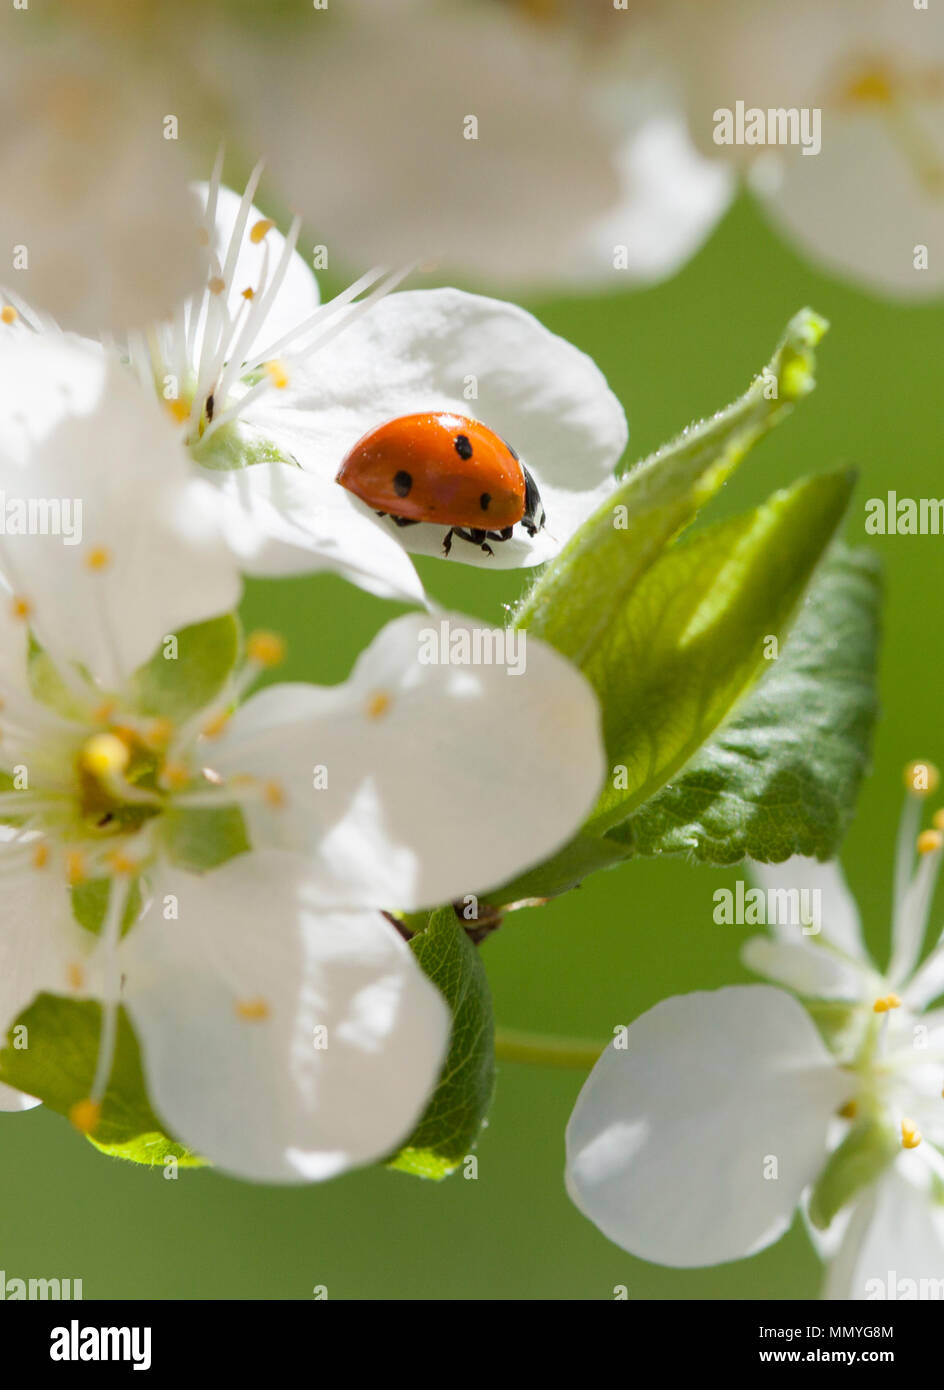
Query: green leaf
{"type": "Point", "coordinates": [782, 775]}
{"type": "Point", "coordinates": [585, 588]}
{"type": "Point", "coordinates": [90, 903]}
{"type": "Point", "coordinates": [450, 1126]}
{"type": "Point", "coordinates": [690, 640]}
{"type": "Point", "coordinates": [58, 1066]}
{"type": "Point", "coordinates": [179, 687]}
{"type": "Point", "coordinates": [864, 1154]}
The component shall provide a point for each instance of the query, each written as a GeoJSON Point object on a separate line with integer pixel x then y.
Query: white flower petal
{"type": "Point", "coordinates": [672, 199]}
{"type": "Point", "coordinates": [893, 1247]}
{"type": "Point", "coordinates": [442, 779]}
{"type": "Point", "coordinates": [298, 295]}
{"type": "Point", "coordinates": [279, 520]}
{"type": "Point", "coordinates": [41, 945]}
{"type": "Point", "coordinates": [75, 425]}
{"type": "Point", "coordinates": [11, 1099]}
{"type": "Point", "coordinates": [95, 195]}
{"type": "Point", "coordinates": [670, 1138]}
{"type": "Point", "coordinates": [227, 1000]}
{"type": "Point", "coordinates": [802, 966]}
{"type": "Point", "coordinates": [421, 350]}
{"type": "Point", "coordinates": [825, 883]}
{"type": "Point", "coordinates": [409, 176]}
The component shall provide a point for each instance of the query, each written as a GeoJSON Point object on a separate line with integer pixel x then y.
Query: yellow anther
{"type": "Point", "coordinates": [849, 1110]}
{"type": "Point", "coordinates": [252, 1010]}
{"type": "Point", "coordinates": [8, 314]}
{"type": "Point", "coordinates": [261, 230]}
{"type": "Point", "coordinates": [277, 373]}
{"type": "Point", "coordinates": [215, 725]}
{"type": "Point", "coordinates": [40, 856]}
{"type": "Point", "coordinates": [273, 794]}
{"type": "Point", "coordinates": [75, 975]}
{"type": "Point", "coordinates": [910, 1135]}
{"type": "Point", "coordinates": [121, 863]}
{"type": "Point", "coordinates": [85, 1115]}
{"type": "Point", "coordinates": [929, 841]}
{"type": "Point", "coordinates": [871, 87]}
{"type": "Point", "coordinates": [265, 648]}
{"type": "Point", "coordinates": [105, 755]}
{"type": "Point", "coordinates": [175, 775]}
{"type": "Point", "coordinates": [104, 713]}
{"type": "Point", "coordinates": [75, 867]}
{"type": "Point", "coordinates": [378, 704]}
{"type": "Point", "coordinates": [158, 733]}
{"type": "Point", "coordinates": [98, 558]}
{"type": "Point", "coordinates": [216, 285]}
{"type": "Point", "coordinates": [249, 292]}
{"type": "Point", "coordinates": [21, 607]}
{"type": "Point", "coordinates": [178, 410]}
{"type": "Point", "coordinates": [886, 1002]}
{"type": "Point", "coordinates": [921, 778]}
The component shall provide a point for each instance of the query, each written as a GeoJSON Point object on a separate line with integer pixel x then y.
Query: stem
{"type": "Point", "coordinates": [542, 1050]}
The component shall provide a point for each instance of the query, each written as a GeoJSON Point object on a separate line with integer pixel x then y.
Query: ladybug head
{"type": "Point", "coordinates": [534, 517]}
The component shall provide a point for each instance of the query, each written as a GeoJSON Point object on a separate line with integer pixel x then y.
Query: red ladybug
{"type": "Point", "coordinates": [445, 469]}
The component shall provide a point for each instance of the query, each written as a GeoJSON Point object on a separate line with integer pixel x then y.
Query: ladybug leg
{"type": "Point", "coordinates": [447, 540]}
{"type": "Point", "coordinates": [475, 536]}
{"type": "Point", "coordinates": [503, 535]}
{"type": "Point", "coordinates": [403, 520]}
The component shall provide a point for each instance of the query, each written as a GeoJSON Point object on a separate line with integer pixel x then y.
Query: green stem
{"type": "Point", "coordinates": [542, 1050]}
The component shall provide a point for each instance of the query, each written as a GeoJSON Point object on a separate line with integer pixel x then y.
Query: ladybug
{"type": "Point", "coordinates": [447, 469]}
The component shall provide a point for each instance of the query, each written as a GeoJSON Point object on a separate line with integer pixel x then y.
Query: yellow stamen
{"type": "Point", "coordinates": [849, 1110]}
{"type": "Point", "coordinates": [910, 1135]}
{"type": "Point", "coordinates": [40, 856]}
{"type": "Point", "coordinates": [21, 607]}
{"type": "Point", "coordinates": [175, 775]}
{"type": "Point", "coordinates": [274, 794]}
{"type": "Point", "coordinates": [871, 87]}
{"type": "Point", "coordinates": [930, 841]}
{"type": "Point", "coordinates": [159, 733]}
{"type": "Point", "coordinates": [75, 867]}
{"type": "Point", "coordinates": [75, 975]}
{"type": "Point", "coordinates": [104, 712]}
{"type": "Point", "coordinates": [105, 755]}
{"type": "Point", "coordinates": [277, 373]}
{"type": "Point", "coordinates": [378, 704]}
{"type": "Point", "coordinates": [217, 285]}
{"type": "Point", "coordinates": [888, 1001]}
{"type": "Point", "coordinates": [921, 778]}
{"type": "Point", "coordinates": [249, 293]}
{"type": "Point", "coordinates": [85, 1115]}
{"type": "Point", "coordinates": [261, 230]}
{"type": "Point", "coordinates": [121, 863]}
{"type": "Point", "coordinates": [252, 1010]}
{"type": "Point", "coordinates": [8, 314]}
{"type": "Point", "coordinates": [98, 558]}
{"type": "Point", "coordinates": [178, 410]}
{"type": "Point", "coordinates": [215, 725]}
{"type": "Point", "coordinates": [265, 648]}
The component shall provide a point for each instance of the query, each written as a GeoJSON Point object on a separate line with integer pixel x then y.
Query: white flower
{"type": "Point", "coordinates": [287, 379]}
{"type": "Point", "coordinates": [875, 70]}
{"type": "Point", "coordinates": [696, 1141]}
{"type": "Point", "coordinates": [96, 215]}
{"type": "Point", "coordinates": [409, 785]}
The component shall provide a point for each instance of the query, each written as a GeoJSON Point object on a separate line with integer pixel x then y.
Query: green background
{"type": "Point", "coordinates": [608, 951]}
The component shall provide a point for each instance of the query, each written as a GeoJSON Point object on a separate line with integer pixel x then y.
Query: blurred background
{"type": "Point", "coordinates": [609, 950]}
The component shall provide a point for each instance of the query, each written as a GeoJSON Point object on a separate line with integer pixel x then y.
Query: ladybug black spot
{"type": "Point", "coordinates": [463, 446]}
{"type": "Point", "coordinates": [484, 501]}
{"type": "Point", "coordinates": [402, 482]}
